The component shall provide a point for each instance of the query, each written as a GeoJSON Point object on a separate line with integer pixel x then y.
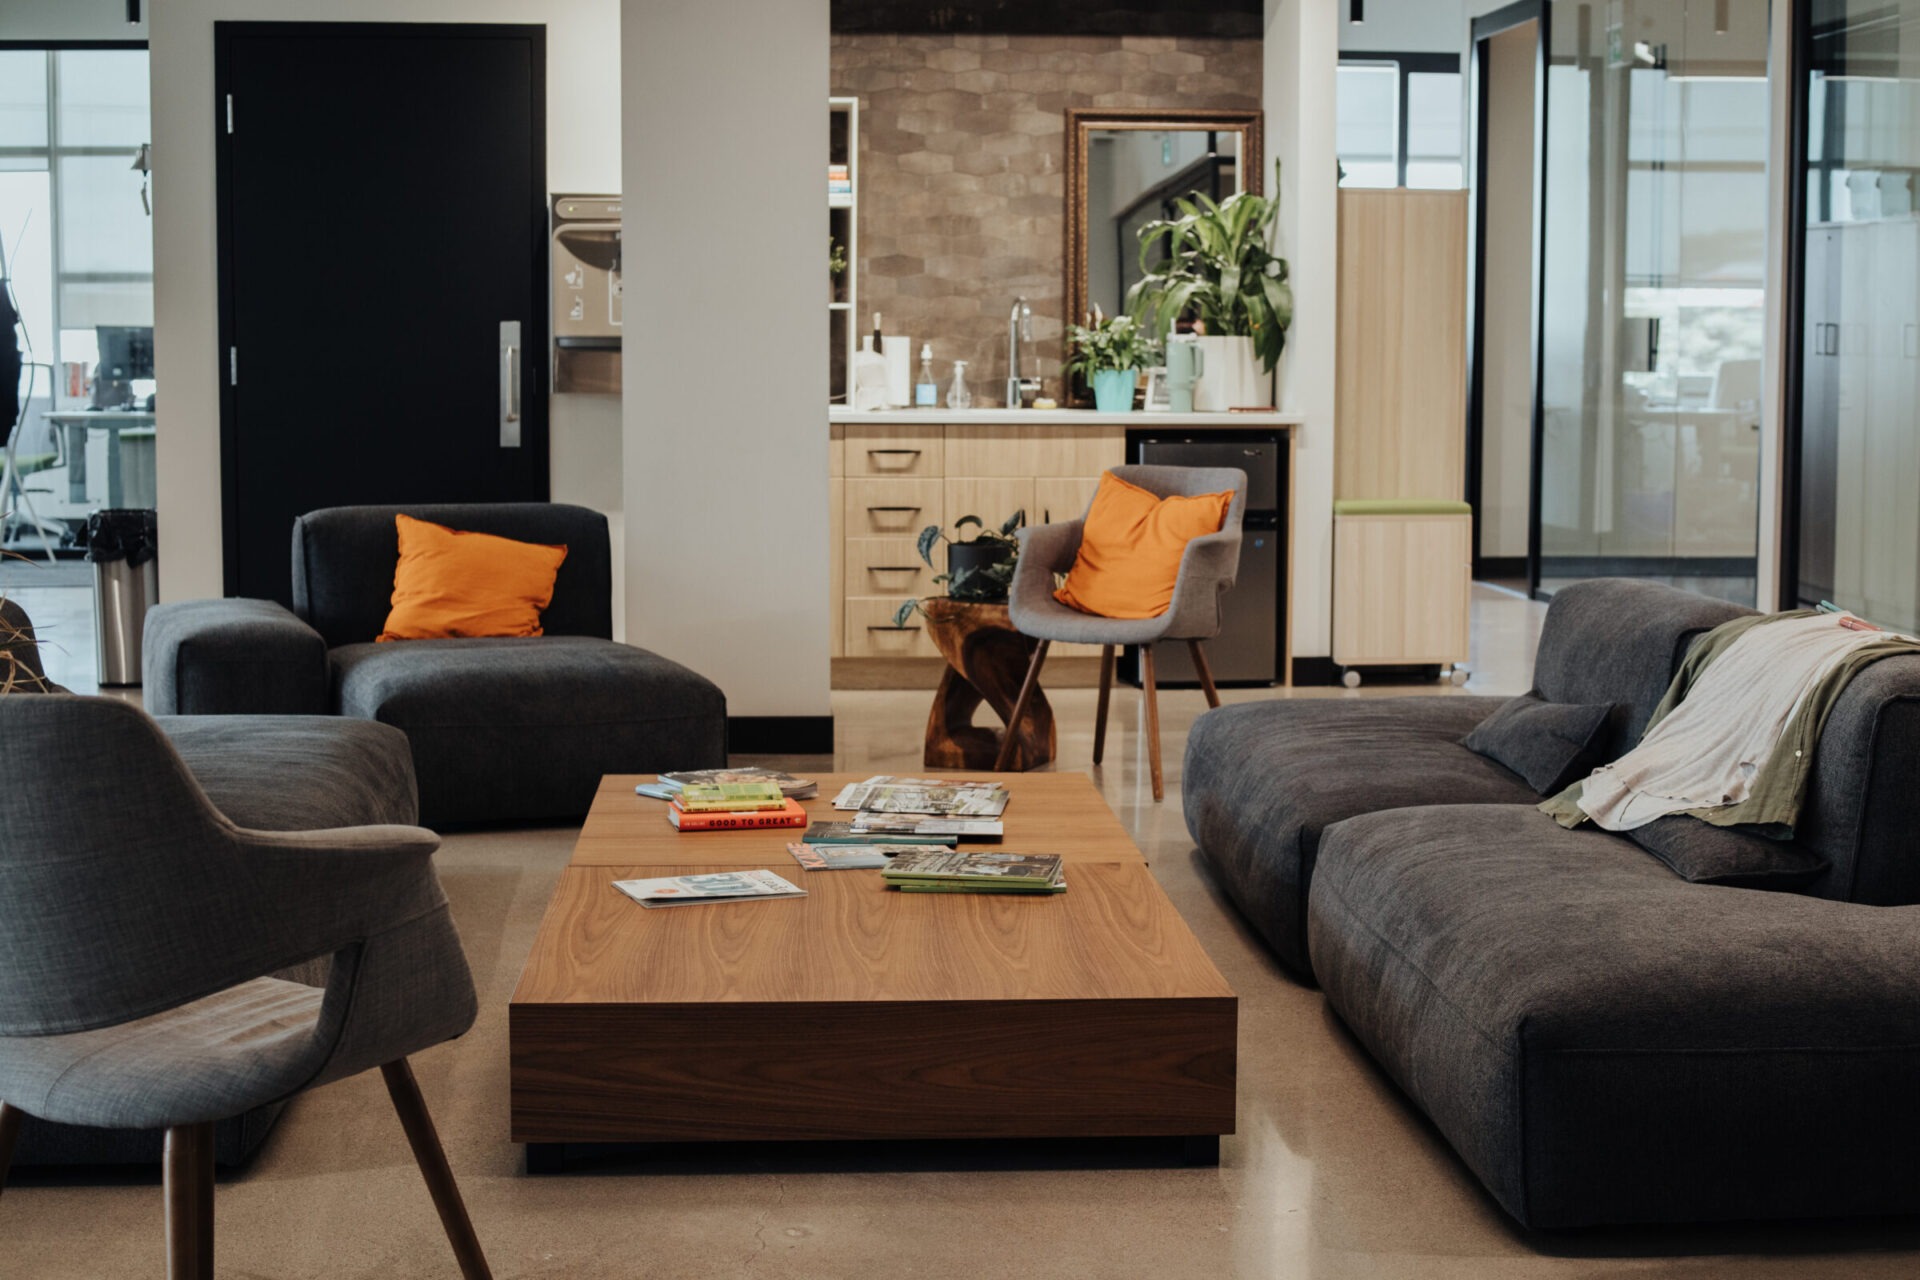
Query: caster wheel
{"type": "Point", "coordinates": [1459, 675]}
{"type": "Point", "coordinates": [1351, 679]}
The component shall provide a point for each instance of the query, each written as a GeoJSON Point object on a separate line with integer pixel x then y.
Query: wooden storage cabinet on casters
{"type": "Point", "coordinates": [1402, 586]}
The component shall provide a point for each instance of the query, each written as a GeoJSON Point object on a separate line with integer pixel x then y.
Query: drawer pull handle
{"type": "Point", "coordinates": [893, 568]}
{"type": "Point", "coordinates": [874, 453]}
{"type": "Point", "coordinates": [877, 510]}
{"type": "Point", "coordinates": [880, 628]}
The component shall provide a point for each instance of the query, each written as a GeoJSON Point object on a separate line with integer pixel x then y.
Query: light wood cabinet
{"type": "Point", "coordinates": [902, 477]}
{"type": "Point", "coordinates": [1401, 589]}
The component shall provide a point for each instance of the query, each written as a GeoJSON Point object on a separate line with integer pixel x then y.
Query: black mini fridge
{"type": "Point", "coordinates": [1249, 650]}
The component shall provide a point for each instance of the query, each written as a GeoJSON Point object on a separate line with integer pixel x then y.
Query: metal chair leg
{"type": "Point", "coordinates": [1027, 686]}
{"type": "Point", "coordinates": [1199, 653]}
{"type": "Point", "coordinates": [432, 1159]}
{"type": "Point", "coordinates": [10, 1118]}
{"type": "Point", "coordinates": [1106, 695]}
{"type": "Point", "coordinates": [188, 1179]}
{"type": "Point", "coordinates": [1153, 720]}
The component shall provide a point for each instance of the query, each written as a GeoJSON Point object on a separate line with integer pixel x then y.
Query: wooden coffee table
{"type": "Point", "coordinates": [857, 1012]}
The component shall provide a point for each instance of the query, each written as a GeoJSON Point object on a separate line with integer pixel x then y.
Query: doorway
{"type": "Point", "coordinates": [1502, 392]}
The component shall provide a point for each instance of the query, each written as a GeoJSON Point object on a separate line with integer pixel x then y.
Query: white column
{"type": "Point", "coordinates": [724, 425]}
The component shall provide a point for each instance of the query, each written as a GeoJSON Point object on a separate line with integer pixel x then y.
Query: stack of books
{"type": "Point", "coordinates": [950, 871]}
{"type": "Point", "coordinates": [734, 806]}
{"type": "Point", "coordinates": [670, 784]}
{"type": "Point", "coordinates": [895, 809]}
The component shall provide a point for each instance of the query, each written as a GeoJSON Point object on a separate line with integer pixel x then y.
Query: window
{"type": "Point", "coordinates": [1399, 121]}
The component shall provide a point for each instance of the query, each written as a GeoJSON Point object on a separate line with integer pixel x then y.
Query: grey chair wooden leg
{"type": "Point", "coordinates": [1153, 720]}
{"type": "Point", "coordinates": [1106, 696]}
{"type": "Point", "coordinates": [432, 1159]}
{"type": "Point", "coordinates": [10, 1118]}
{"type": "Point", "coordinates": [1005, 759]}
{"type": "Point", "coordinates": [1199, 653]}
{"type": "Point", "coordinates": [188, 1178]}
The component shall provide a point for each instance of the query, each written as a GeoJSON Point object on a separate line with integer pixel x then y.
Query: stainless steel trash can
{"type": "Point", "coordinates": [126, 583]}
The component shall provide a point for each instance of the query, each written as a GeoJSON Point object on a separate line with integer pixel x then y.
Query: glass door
{"type": "Point", "coordinates": [1653, 269]}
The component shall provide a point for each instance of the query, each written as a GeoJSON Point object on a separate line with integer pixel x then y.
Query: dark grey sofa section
{"type": "Point", "coordinates": [1603, 1042]}
{"type": "Point", "coordinates": [501, 729]}
{"type": "Point", "coordinates": [1262, 781]}
{"type": "Point", "coordinates": [268, 773]}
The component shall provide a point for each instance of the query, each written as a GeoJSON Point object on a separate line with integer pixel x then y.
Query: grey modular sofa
{"type": "Point", "coordinates": [264, 773]}
{"type": "Point", "coordinates": [512, 729]}
{"type": "Point", "coordinates": [1601, 1040]}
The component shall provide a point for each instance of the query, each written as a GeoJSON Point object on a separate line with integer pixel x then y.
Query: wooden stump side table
{"type": "Point", "coordinates": [986, 662]}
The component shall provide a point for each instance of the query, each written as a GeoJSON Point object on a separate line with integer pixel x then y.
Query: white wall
{"type": "Point", "coordinates": [1507, 376]}
{"type": "Point", "coordinates": [725, 156]}
{"type": "Point", "coordinates": [1301, 54]}
{"type": "Point", "coordinates": [583, 154]}
{"type": "Point", "coordinates": [1405, 26]}
{"type": "Point", "coordinates": [69, 20]}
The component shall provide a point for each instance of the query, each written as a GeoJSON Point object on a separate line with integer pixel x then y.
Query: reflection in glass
{"type": "Point", "coordinates": [1367, 129]}
{"type": "Point", "coordinates": [1133, 178]}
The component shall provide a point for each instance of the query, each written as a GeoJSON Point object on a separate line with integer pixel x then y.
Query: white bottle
{"type": "Point", "coordinates": [958, 396]}
{"type": "Point", "coordinates": [926, 395]}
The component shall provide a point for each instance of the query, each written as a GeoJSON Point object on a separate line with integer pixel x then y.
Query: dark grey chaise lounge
{"type": "Point", "coordinates": [1601, 1040]}
{"type": "Point", "coordinates": [501, 729]}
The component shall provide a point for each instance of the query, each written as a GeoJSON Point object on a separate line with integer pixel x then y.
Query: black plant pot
{"type": "Point", "coordinates": [974, 559]}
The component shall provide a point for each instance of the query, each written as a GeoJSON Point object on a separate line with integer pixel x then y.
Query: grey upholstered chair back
{"type": "Point", "coordinates": [19, 651]}
{"type": "Point", "coordinates": [1189, 482]}
{"type": "Point", "coordinates": [124, 893]}
{"type": "Point", "coordinates": [1619, 641]}
{"type": "Point", "coordinates": [343, 561]}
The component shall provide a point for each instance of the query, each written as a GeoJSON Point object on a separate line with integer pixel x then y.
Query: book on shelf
{"type": "Point", "coordinates": [796, 788]}
{"type": "Point", "coordinates": [729, 797]}
{"type": "Point", "coordinates": [936, 797]}
{"type": "Point", "coordinates": [950, 871]}
{"type": "Point", "coordinates": [848, 857]}
{"type": "Point", "coordinates": [900, 828]}
{"type": "Point", "coordinates": [789, 815]}
{"type": "Point", "coordinates": [721, 886]}
{"type": "Point", "coordinates": [824, 833]}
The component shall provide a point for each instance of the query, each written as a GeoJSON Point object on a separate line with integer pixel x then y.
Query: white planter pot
{"type": "Point", "coordinates": [1233, 378]}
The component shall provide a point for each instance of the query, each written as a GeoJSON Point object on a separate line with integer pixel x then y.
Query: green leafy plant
{"type": "Point", "coordinates": [987, 581]}
{"type": "Point", "coordinates": [1220, 267]}
{"type": "Point", "coordinates": [1108, 343]}
{"type": "Point", "coordinates": [836, 256]}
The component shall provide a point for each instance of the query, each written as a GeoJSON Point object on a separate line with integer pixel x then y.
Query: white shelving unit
{"type": "Point", "coordinates": [843, 225]}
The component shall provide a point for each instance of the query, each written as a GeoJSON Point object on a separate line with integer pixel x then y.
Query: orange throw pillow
{"type": "Point", "coordinates": [452, 583]}
{"type": "Point", "coordinates": [1131, 548]}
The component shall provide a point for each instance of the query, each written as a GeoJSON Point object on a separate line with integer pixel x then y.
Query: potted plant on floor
{"type": "Point", "coordinates": [1109, 353]}
{"type": "Point", "coordinates": [979, 568]}
{"type": "Point", "coordinates": [1221, 273]}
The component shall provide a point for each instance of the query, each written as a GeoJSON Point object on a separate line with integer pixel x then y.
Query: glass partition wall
{"type": "Point", "coordinates": [1652, 275]}
{"type": "Point", "coordinates": [1858, 473]}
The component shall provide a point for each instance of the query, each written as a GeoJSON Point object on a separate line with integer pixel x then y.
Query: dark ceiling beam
{"type": "Point", "coordinates": [1231, 18]}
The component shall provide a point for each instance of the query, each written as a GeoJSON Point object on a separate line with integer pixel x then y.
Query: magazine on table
{"type": "Point", "coordinates": [848, 857]}
{"type": "Point", "coordinates": [902, 832]}
{"type": "Point", "coordinates": [790, 786]}
{"type": "Point", "coordinates": [900, 828]}
{"type": "Point", "coordinates": [1040, 871]}
{"type": "Point", "coordinates": [885, 793]}
{"type": "Point", "coordinates": [719, 886]}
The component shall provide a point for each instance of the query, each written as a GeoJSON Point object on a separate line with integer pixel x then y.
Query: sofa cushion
{"type": "Point", "coordinates": [1263, 779]}
{"type": "Point", "coordinates": [1603, 1042]}
{"type": "Point", "coordinates": [1547, 743]}
{"type": "Point", "coordinates": [298, 773]}
{"type": "Point", "coordinates": [525, 728]}
{"type": "Point", "coordinates": [1705, 854]}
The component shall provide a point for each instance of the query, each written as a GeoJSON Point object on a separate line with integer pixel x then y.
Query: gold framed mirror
{"type": "Point", "coordinates": [1124, 170]}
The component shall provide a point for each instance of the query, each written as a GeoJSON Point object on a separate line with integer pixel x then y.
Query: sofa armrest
{"type": "Point", "coordinates": [232, 657]}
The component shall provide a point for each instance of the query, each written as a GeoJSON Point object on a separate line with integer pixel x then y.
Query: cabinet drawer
{"type": "Point", "coordinates": [1061, 498]}
{"type": "Point", "coordinates": [1069, 450]}
{"type": "Point", "coordinates": [888, 450]}
{"type": "Point", "coordinates": [993, 499]}
{"type": "Point", "coordinates": [879, 508]}
{"type": "Point", "coordinates": [887, 567]}
{"type": "Point", "coordinates": [871, 633]}
{"type": "Point", "coordinates": [1401, 590]}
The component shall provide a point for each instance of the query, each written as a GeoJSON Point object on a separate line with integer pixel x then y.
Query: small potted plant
{"type": "Point", "coordinates": [979, 568]}
{"type": "Point", "coordinates": [1109, 352]}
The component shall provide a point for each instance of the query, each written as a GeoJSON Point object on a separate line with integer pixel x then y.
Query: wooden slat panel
{"type": "Point", "coordinates": [1401, 589]}
{"type": "Point", "coordinates": [1401, 425]}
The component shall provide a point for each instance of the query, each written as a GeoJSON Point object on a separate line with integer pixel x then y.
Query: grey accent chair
{"type": "Point", "coordinates": [137, 927]}
{"type": "Point", "coordinates": [511, 729]}
{"type": "Point", "coordinates": [1206, 574]}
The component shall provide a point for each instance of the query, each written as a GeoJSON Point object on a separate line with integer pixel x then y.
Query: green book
{"type": "Point", "coordinates": [1001, 871]}
{"type": "Point", "coordinates": [730, 797]}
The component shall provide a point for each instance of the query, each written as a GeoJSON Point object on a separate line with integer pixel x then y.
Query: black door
{"type": "Point", "coordinates": [382, 233]}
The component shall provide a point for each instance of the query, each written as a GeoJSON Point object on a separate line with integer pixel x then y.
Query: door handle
{"type": "Point", "coordinates": [509, 384]}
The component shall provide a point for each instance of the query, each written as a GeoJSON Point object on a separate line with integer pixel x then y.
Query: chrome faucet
{"type": "Point", "coordinates": [1020, 391]}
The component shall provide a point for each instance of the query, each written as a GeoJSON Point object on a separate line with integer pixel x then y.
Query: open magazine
{"type": "Point", "coordinates": [719, 886]}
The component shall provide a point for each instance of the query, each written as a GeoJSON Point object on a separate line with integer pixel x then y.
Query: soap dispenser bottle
{"type": "Point", "coordinates": [959, 396]}
{"type": "Point", "coordinates": [926, 392]}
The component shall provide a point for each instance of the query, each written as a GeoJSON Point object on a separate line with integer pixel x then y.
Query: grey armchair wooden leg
{"type": "Point", "coordinates": [1106, 695]}
{"type": "Point", "coordinates": [10, 1118]}
{"type": "Point", "coordinates": [1005, 759]}
{"type": "Point", "coordinates": [1199, 653]}
{"type": "Point", "coordinates": [188, 1178]}
{"type": "Point", "coordinates": [432, 1159]}
{"type": "Point", "coordinates": [1153, 720]}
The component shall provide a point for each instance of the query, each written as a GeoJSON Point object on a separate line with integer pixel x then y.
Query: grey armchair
{"type": "Point", "coordinates": [1206, 574]}
{"type": "Point", "coordinates": [137, 925]}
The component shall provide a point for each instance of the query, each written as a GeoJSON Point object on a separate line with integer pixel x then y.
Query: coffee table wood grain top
{"type": "Point", "coordinates": [1048, 813]}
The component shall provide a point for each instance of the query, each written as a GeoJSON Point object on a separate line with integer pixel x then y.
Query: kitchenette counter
{"type": "Point", "coordinates": [1267, 420]}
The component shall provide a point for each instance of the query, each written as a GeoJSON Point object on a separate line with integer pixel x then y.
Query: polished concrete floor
{"type": "Point", "coordinates": [1331, 1173]}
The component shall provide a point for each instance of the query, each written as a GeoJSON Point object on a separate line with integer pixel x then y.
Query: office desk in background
{"type": "Point", "coordinates": [135, 424]}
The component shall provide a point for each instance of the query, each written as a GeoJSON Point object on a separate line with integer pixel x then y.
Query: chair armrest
{"type": "Point", "coordinates": [232, 657]}
{"type": "Point", "coordinates": [1045, 549]}
{"type": "Point", "coordinates": [1207, 569]}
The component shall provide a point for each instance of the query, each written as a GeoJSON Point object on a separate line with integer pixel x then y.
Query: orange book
{"type": "Point", "coordinates": [789, 815]}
